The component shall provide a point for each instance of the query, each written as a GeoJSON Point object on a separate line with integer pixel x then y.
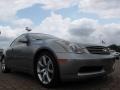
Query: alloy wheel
{"type": "Point", "coordinates": [3, 66]}
{"type": "Point", "coordinates": [45, 69]}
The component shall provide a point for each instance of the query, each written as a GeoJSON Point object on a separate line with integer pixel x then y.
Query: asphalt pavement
{"type": "Point", "coordinates": [23, 81]}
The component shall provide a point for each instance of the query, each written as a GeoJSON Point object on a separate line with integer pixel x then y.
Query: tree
{"type": "Point", "coordinates": [115, 47]}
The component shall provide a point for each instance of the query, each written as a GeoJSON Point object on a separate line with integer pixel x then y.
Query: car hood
{"type": "Point", "coordinates": [80, 44]}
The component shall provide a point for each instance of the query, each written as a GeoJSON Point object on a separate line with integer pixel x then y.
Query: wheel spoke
{"type": "Point", "coordinates": [40, 63]}
{"type": "Point", "coordinates": [49, 62]}
{"type": "Point", "coordinates": [48, 77]}
{"type": "Point", "coordinates": [50, 70]}
{"type": "Point", "coordinates": [41, 71]}
{"type": "Point", "coordinates": [44, 60]}
{"type": "Point", "coordinates": [43, 77]}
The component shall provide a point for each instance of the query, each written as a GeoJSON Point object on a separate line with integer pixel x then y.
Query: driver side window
{"type": "Point", "coordinates": [16, 41]}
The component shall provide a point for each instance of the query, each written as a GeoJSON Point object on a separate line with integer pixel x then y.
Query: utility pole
{"type": "Point", "coordinates": [28, 29]}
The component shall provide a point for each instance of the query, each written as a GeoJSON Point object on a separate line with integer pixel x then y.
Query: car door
{"type": "Point", "coordinates": [21, 53]}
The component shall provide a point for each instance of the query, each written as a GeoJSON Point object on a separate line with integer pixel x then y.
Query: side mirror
{"type": "Point", "coordinates": [23, 41]}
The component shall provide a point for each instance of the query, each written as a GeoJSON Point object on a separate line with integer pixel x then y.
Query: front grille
{"type": "Point", "coordinates": [98, 50]}
{"type": "Point", "coordinates": [89, 69]}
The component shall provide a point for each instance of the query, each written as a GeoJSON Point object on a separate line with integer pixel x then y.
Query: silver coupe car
{"type": "Point", "coordinates": [52, 59]}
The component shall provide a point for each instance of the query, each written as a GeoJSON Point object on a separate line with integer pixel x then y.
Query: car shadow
{"type": "Point", "coordinates": [87, 84]}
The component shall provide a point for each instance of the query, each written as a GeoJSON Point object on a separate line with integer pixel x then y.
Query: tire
{"type": "Point", "coordinates": [46, 70]}
{"type": "Point", "coordinates": [4, 67]}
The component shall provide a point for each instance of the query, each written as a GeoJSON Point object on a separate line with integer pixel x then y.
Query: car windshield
{"type": "Point", "coordinates": [38, 36]}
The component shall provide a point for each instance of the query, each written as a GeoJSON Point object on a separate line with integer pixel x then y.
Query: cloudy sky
{"type": "Point", "coordinates": [85, 21]}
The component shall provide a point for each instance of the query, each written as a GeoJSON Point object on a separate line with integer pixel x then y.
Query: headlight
{"type": "Point", "coordinates": [72, 47]}
{"type": "Point", "coordinates": [77, 49]}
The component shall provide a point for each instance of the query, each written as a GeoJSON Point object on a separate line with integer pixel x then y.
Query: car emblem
{"type": "Point", "coordinates": [105, 50]}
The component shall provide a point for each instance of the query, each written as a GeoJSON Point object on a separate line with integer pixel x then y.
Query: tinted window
{"type": "Point", "coordinates": [16, 41]}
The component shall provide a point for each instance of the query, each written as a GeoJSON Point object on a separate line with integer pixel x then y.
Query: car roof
{"type": "Point", "coordinates": [38, 33]}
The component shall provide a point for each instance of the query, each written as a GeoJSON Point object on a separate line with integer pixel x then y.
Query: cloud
{"type": "Point", "coordinates": [57, 4]}
{"type": "Point", "coordinates": [9, 8]}
{"type": "Point", "coordinates": [55, 25]}
{"type": "Point", "coordinates": [102, 8]}
{"type": "Point", "coordinates": [112, 32]}
{"type": "Point", "coordinates": [83, 27]}
{"type": "Point", "coordinates": [10, 32]}
{"type": "Point", "coordinates": [7, 31]}
{"type": "Point", "coordinates": [22, 23]}
{"type": "Point", "coordinates": [7, 35]}
{"type": "Point", "coordinates": [83, 30]}
{"type": "Point", "coordinates": [65, 28]}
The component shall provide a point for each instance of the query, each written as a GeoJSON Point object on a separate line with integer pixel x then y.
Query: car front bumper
{"type": "Point", "coordinates": [75, 66]}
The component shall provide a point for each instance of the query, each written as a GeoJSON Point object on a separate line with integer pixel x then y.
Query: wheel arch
{"type": "Point", "coordinates": [41, 50]}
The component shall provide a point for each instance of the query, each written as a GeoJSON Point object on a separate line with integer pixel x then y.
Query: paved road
{"type": "Point", "coordinates": [21, 81]}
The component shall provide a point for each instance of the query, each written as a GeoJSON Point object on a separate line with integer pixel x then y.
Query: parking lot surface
{"type": "Point", "coordinates": [22, 81]}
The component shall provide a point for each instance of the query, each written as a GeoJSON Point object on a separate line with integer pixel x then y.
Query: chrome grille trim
{"type": "Point", "coordinates": [98, 50]}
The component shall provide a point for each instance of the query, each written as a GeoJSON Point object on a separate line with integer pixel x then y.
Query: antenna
{"type": "Point", "coordinates": [28, 29]}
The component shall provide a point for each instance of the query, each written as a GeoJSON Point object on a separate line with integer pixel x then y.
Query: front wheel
{"type": "Point", "coordinates": [47, 70]}
{"type": "Point", "coordinates": [4, 67]}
